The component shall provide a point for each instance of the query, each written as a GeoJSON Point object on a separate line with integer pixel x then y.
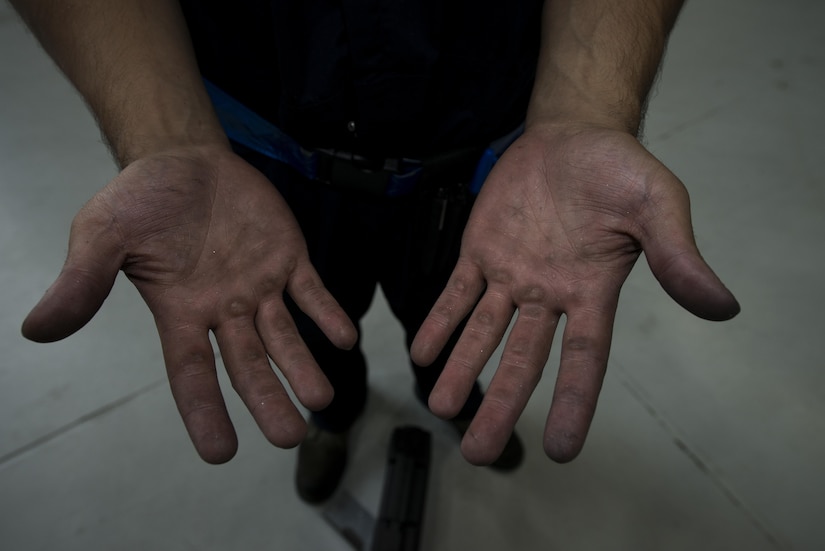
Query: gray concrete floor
{"type": "Point", "coordinates": [708, 436]}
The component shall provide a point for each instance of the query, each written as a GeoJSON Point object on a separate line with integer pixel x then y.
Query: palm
{"type": "Point", "coordinates": [569, 222]}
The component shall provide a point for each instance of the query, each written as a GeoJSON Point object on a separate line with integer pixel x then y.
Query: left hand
{"type": "Point", "coordinates": [556, 229]}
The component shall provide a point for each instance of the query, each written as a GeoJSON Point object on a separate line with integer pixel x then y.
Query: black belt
{"type": "Point", "coordinates": [394, 176]}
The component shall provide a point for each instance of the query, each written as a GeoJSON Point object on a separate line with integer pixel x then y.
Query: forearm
{"type": "Point", "coordinates": [598, 60]}
{"type": "Point", "coordinates": [133, 63]}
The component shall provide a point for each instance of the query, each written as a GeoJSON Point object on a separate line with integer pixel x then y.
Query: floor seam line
{"type": "Point", "coordinates": [56, 433]}
{"type": "Point", "coordinates": [635, 390]}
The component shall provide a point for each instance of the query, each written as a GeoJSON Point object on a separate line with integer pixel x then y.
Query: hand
{"type": "Point", "coordinates": [211, 245]}
{"type": "Point", "coordinates": [556, 229]}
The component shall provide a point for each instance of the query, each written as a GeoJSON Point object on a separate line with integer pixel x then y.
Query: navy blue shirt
{"type": "Point", "coordinates": [378, 77]}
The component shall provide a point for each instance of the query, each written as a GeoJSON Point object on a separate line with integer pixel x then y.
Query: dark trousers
{"type": "Point", "coordinates": [358, 241]}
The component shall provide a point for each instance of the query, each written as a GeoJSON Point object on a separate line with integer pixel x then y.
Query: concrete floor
{"type": "Point", "coordinates": [708, 436]}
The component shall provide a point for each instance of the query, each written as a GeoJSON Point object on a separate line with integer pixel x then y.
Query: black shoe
{"type": "Point", "coordinates": [322, 458]}
{"type": "Point", "coordinates": [510, 458]}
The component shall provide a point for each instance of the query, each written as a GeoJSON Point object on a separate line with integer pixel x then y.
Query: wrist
{"type": "Point", "coordinates": [145, 143]}
{"type": "Point", "coordinates": [566, 125]}
{"type": "Point", "coordinates": [580, 113]}
{"type": "Point", "coordinates": [165, 117]}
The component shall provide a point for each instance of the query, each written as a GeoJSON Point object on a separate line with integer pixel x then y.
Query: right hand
{"type": "Point", "coordinates": [211, 245]}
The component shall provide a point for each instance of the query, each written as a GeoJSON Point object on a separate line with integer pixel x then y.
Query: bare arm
{"type": "Point", "coordinates": [133, 63]}
{"type": "Point", "coordinates": [598, 60]}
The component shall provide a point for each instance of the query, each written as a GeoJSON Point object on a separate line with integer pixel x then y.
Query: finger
{"type": "Point", "coordinates": [480, 337]}
{"type": "Point", "coordinates": [674, 259]}
{"type": "Point", "coordinates": [253, 379]}
{"type": "Point", "coordinates": [308, 291]}
{"type": "Point", "coordinates": [94, 258]}
{"type": "Point", "coordinates": [519, 371]}
{"type": "Point", "coordinates": [584, 353]}
{"type": "Point", "coordinates": [190, 366]}
{"type": "Point", "coordinates": [465, 285]}
{"type": "Point", "coordinates": [291, 355]}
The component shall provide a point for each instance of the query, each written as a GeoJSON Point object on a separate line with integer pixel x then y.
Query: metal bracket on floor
{"type": "Point", "coordinates": [401, 515]}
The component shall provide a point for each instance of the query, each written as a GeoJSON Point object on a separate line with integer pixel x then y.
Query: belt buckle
{"type": "Point", "coordinates": [351, 172]}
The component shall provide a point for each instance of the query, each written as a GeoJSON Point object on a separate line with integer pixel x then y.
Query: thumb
{"type": "Point", "coordinates": [94, 258]}
{"type": "Point", "coordinates": [675, 260]}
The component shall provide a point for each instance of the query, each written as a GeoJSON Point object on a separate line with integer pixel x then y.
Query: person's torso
{"type": "Point", "coordinates": [389, 77]}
